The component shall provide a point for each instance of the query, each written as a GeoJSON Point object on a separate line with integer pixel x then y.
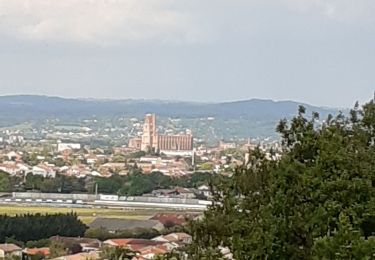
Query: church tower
{"type": "Point", "coordinates": [149, 137]}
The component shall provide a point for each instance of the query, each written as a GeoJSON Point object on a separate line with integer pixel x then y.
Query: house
{"type": "Point", "coordinates": [111, 167]}
{"type": "Point", "coordinates": [9, 168]}
{"type": "Point", "coordinates": [145, 248]}
{"type": "Point", "coordinates": [95, 174]}
{"type": "Point", "coordinates": [43, 251]}
{"type": "Point", "coordinates": [176, 192]}
{"type": "Point", "coordinates": [205, 190]}
{"type": "Point", "coordinates": [151, 251]}
{"type": "Point", "coordinates": [10, 251]}
{"type": "Point", "coordinates": [115, 224]}
{"type": "Point", "coordinates": [68, 146]}
{"type": "Point", "coordinates": [174, 219]}
{"type": "Point", "coordinates": [85, 244]}
{"type": "Point", "coordinates": [43, 170]}
{"type": "Point", "coordinates": [185, 193]}
{"type": "Point", "coordinates": [14, 168]}
{"type": "Point", "coordinates": [91, 159]}
{"type": "Point", "coordinates": [80, 256]}
{"type": "Point", "coordinates": [13, 156]}
{"type": "Point", "coordinates": [179, 237]}
{"type": "Point", "coordinates": [136, 245]}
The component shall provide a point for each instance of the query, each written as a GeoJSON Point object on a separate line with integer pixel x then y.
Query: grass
{"type": "Point", "coordinates": [85, 214]}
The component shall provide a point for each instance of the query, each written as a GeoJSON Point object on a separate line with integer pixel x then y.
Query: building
{"type": "Point", "coordinates": [135, 143]}
{"type": "Point", "coordinates": [32, 253]}
{"type": "Point", "coordinates": [68, 146]}
{"type": "Point", "coordinates": [179, 237]}
{"type": "Point", "coordinates": [176, 144]}
{"type": "Point", "coordinates": [114, 225]}
{"type": "Point", "coordinates": [10, 251]}
{"type": "Point", "coordinates": [226, 145]}
{"type": "Point", "coordinates": [174, 219]}
{"type": "Point", "coordinates": [43, 170]}
{"type": "Point", "coordinates": [149, 136]}
{"type": "Point", "coordinates": [181, 144]}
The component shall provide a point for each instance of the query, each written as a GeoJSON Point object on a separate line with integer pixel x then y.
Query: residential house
{"type": "Point", "coordinates": [151, 251]}
{"type": "Point", "coordinates": [174, 219]}
{"type": "Point", "coordinates": [43, 251]}
{"type": "Point", "coordinates": [176, 192]}
{"type": "Point", "coordinates": [44, 170]}
{"type": "Point", "coordinates": [80, 256]}
{"type": "Point", "coordinates": [91, 159]}
{"type": "Point", "coordinates": [9, 251]}
{"type": "Point", "coordinates": [133, 244]}
{"type": "Point", "coordinates": [13, 156]}
{"type": "Point", "coordinates": [86, 244]}
{"type": "Point", "coordinates": [204, 190]}
{"type": "Point", "coordinates": [111, 167]}
{"type": "Point", "coordinates": [179, 237]}
{"type": "Point", "coordinates": [10, 168]}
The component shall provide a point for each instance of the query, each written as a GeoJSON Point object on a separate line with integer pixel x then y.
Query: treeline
{"type": "Point", "coordinates": [134, 184]}
{"type": "Point", "coordinates": [316, 202]}
{"type": "Point", "coordinates": [61, 183]}
{"type": "Point", "coordinates": [35, 227]}
{"type": "Point", "coordinates": [137, 183]}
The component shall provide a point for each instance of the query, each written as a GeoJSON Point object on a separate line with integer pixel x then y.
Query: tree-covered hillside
{"type": "Point", "coordinates": [249, 118]}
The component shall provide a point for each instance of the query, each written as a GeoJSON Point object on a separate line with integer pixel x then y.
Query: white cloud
{"type": "Point", "coordinates": [111, 22]}
{"type": "Point", "coordinates": [97, 21]}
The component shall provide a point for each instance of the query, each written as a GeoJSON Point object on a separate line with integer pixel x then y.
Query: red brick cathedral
{"type": "Point", "coordinates": [169, 144]}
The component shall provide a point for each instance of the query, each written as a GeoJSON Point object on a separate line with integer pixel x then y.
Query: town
{"type": "Point", "coordinates": [187, 130]}
{"type": "Point", "coordinates": [64, 152]}
{"type": "Point", "coordinates": [161, 172]}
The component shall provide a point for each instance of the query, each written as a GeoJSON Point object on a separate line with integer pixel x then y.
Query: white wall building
{"type": "Point", "coordinates": [68, 146]}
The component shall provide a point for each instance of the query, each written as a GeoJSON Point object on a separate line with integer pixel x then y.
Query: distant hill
{"type": "Point", "coordinates": [20, 108]}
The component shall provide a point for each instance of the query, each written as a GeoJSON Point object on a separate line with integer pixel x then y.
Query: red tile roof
{"type": "Point", "coordinates": [35, 251]}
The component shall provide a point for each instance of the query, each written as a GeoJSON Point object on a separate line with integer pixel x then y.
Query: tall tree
{"type": "Point", "coordinates": [316, 202]}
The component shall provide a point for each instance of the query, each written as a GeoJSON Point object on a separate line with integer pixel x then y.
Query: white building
{"type": "Point", "coordinates": [68, 146]}
{"type": "Point", "coordinates": [44, 171]}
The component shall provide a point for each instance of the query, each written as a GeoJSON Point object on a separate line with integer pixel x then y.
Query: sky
{"type": "Point", "coordinates": [321, 52]}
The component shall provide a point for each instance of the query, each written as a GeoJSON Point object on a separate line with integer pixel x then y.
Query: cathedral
{"type": "Point", "coordinates": [168, 144]}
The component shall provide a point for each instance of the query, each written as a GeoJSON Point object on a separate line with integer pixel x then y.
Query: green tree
{"type": "Point", "coordinates": [116, 253]}
{"type": "Point", "coordinates": [56, 249]}
{"type": "Point", "coordinates": [316, 202]}
{"type": "Point", "coordinates": [4, 181]}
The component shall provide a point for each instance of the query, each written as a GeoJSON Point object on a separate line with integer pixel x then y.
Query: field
{"type": "Point", "coordinates": [85, 214]}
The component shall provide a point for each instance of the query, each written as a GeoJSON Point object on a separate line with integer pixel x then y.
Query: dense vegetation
{"type": "Point", "coordinates": [103, 234]}
{"type": "Point", "coordinates": [35, 227]}
{"type": "Point", "coordinates": [317, 202]}
{"type": "Point", "coordinates": [116, 253]}
{"type": "Point", "coordinates": [134, 184]}
{"type": "Point", "coordinates": [138, 183]}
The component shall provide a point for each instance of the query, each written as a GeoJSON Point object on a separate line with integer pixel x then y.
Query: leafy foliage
{"type": "Point", "coordinates": [4, 181]}
{"type": "Point", "coordinates": [62, 183]}
{"type": "Point", "coordinates": [117, 253]}
{"type": "Point", "coordinates": [137, 183]}
{"type": "Point", "coordinates": [35, 227]}
{"type": "Point", "coordinates": [317, 202]}
{"type": "Point", "coordinates": [103, 234]}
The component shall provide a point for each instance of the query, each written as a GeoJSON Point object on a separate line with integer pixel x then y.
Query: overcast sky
{"type": "Point", "coordinates": [317, 51]}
